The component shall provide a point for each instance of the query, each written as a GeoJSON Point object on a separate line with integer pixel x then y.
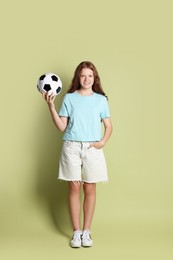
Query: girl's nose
{"type": "Point", "coordinates": [86, 79]}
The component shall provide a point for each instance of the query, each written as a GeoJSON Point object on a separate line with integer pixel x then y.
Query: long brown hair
{"type": "Point", "coordinates": [75, 83]}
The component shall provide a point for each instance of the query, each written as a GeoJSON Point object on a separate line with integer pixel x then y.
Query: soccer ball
{"type": "Point", "coordinates": [49, 82]}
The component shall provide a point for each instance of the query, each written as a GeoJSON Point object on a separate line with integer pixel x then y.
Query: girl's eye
{"type": "Point", "coordinates": [83, 76]}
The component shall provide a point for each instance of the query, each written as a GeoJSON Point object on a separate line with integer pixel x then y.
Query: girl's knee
{"type": "Point", "coordinates": [89, 188]}
{"type": "Point", "coordinates": [75, 186]}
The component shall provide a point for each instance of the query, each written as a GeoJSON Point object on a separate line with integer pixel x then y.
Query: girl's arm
{"type": "Point", "coordinates": [60, 122]}
{"type": "Point", "coordinates": [107, 134]}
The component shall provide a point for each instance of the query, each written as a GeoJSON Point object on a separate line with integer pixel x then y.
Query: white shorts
{"type": "Point", "coordinates": [78, 162]}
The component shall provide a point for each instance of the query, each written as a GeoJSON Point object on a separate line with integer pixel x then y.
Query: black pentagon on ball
{"type": "Point", "coordinates": [54, 78]}
{"type": "Point", "coordinates": [58, 90]}
{"type": "Point", "coordinates": [42, 77]}
{"type": "Point", "coordinates": [47, 87]}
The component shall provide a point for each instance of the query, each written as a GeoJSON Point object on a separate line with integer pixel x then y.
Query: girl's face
{"type": "Point", "coordinates": [86, 78]}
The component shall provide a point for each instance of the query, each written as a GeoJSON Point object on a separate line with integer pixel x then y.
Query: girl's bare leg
{"type": "Point", "coordinates": [74, 203]}
{"type": "Point", "coordinates": [89, 203]}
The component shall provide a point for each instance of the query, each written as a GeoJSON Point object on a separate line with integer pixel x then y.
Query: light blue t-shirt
{"type": "Point", "coordinates": [85, 114]}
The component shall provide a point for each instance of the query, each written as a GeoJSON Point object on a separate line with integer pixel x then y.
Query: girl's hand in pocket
{"type": "Point", "coordinates": [98, 145]}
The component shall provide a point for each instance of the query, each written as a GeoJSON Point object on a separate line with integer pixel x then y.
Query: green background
{"type": "Point", "coordinates": [130, 42]}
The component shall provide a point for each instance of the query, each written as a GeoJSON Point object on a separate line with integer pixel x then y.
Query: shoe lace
{"type": "Point", "coordinates": [77, 235]}
{"type": "Point", "coordinates": [86, 235]}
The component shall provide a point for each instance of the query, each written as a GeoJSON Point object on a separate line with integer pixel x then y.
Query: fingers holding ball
{"type": "Point", "coordinates": [48, 98]}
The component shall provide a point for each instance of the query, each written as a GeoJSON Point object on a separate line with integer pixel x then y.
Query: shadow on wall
{"type": "Point", "coordinates": [52, 194]}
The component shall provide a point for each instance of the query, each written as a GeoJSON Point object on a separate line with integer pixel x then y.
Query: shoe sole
{"type": "Point", "coordinates": [85, 245]}
{"type": "Point", "coordinates": [75, 246]}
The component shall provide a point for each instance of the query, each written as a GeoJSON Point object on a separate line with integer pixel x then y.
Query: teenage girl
{"type": "Point", "coordinates": [82, 162]}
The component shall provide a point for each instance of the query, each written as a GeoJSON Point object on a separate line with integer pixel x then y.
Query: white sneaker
{"type": "Point", "coordinates": [86, 238]}
{"type": "Point", "coordinates": [76, 239]}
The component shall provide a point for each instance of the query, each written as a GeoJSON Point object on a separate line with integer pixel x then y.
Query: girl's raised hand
{"type": "Point", "coordinates": [49, 99]}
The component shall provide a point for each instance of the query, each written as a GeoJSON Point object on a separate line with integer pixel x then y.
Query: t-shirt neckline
{"type": "Point", "coordinates": [85, 95]}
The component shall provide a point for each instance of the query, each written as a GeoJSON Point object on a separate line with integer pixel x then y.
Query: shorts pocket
{"type": "Point", "coordinates": [67, 143]}
{"type": "Point", "coordinates": [93, 146]}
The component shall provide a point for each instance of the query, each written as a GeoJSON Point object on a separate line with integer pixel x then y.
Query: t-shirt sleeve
{"type": "Point", "coordinates": [105, 109]}
{"type": "Point", "coordinates": [64, 108]}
